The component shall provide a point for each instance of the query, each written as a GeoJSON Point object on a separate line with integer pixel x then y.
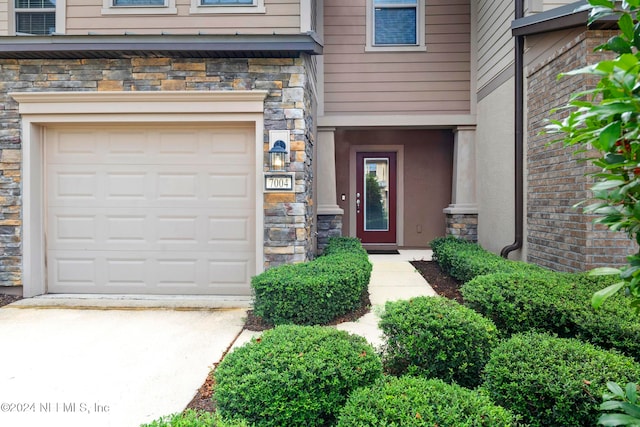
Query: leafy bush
{"type": "Point", "coordinates": [192, 418]}
{"type": "Point", "coordinates": [464, 260]}
{"type": "Point", "coordinates": [416, 401]}
{"type": "Point", "coordinates": [318, 291]}
{"type": "Point", "coordinates": [436, 337]}
{"type": "Point", "coordinates": [294, 376]}
{"type": "Point", "coordinates": [555, 302]}
{"type": "Point", "coordinates": [625, 403]}
{"type": "Point", "coordinates": [553, 381]}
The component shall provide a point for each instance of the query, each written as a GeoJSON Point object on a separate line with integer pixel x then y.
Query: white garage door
{"type": "Point", "coordinates": [150, 210]}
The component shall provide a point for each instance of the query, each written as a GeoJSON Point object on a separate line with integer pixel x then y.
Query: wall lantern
{"type": "Point", "coordinates": [278, 156]}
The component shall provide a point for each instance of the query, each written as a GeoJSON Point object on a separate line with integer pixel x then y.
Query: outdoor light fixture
{"type": "Point", "coordinates": [278, 156]}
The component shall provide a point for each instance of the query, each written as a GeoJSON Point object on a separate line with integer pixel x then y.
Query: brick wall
{"type": "Point", "coordinates": [560, 236]}
{"type": "Point", "coordinates": [290, 104]}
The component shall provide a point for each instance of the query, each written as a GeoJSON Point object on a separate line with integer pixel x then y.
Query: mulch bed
{"type": "Point", "coordinates": [8, 299]}
{"type": "Point", "coordinates": [443, 284]}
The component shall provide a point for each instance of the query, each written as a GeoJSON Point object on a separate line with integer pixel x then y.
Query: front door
{"type": "Point", "coordinates": [376, 197]}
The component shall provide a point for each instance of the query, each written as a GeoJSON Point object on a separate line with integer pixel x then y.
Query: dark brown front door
{"type": "Point", "coordinates": [376, 197]}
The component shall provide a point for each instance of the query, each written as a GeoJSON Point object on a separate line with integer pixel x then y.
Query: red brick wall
{"type": "Point", "coordinates": [559, 236]}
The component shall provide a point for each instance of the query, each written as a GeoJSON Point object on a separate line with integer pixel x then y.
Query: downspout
{"type": "Point", "coordinates": [519, 137]}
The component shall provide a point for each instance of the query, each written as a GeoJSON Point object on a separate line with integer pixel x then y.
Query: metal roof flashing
{"type": "Point", "coordinates": [572, 15]}
{"type": "Point", "coordinates": [123, 46]}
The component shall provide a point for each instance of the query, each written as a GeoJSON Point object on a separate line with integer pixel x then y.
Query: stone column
{"type": "Point", "coordinates": [329, 213]}
{"type": "Point", "coordinates": [462, 213]}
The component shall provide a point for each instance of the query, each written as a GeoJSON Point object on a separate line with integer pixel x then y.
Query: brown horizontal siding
{"type": "Point", "coordinates": [384, 69]}
{"type": "Point", "coordinates": [397, 108]}
{"type": "Point", "coordinates": [281, 17]}
{"type": "Point", "coordinates": [396, 88]}
{"type": "Point", "coordinates": [436, 81]}
{"type": "Point", "coordinates": [418, 77]}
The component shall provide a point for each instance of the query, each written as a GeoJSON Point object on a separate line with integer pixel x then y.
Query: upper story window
{"type": "Point", "coordinates": [227, 6]}
{"type": "Point", "coordinates": [138, 2]}
{"type": "Point", "coordinates": [395, 25]}
{"type": "Point", "coordinates": [228, 2]}
{"type": "Point", "coordinates": [139, 7]}
{"type": "Point", "coordinates": [35, 16]}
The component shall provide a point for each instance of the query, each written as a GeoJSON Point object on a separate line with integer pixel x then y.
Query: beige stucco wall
{"type": "Point", "coordinates": [495, 169]}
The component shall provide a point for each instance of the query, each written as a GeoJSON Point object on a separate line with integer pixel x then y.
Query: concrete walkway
{"type": "Point", "coordinates": [87, 361]}
{"type": "Point", "coordinates": [392, 278]}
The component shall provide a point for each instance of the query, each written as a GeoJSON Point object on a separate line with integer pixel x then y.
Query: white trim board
{"type": "Point", "coordinates": [40, 109]}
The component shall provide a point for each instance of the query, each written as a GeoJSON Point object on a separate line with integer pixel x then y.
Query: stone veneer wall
{"type": "Point", "coordinates": [290, 104]}
{"type": "Point", "coordinates": [463, 226]}
{"type": "Point", "coordinates": [560, 236]}
{"type": "Point", "coordinates": [328, 226]}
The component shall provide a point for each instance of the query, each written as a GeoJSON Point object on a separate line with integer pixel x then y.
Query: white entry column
{"type": "Point", "coordinates": [329, 213]}
{"type": "Point", "coordinates": [462, 213]}
{"type": "Point", "coordinates": [327, 196]}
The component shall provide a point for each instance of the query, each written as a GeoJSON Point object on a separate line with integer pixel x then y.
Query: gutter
{"type": "Point", "coordinates": [572, 15]}
{"type": "Point", "coordinates": [519, 138]}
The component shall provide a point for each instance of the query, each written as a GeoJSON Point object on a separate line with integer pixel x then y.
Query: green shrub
{"type": "Point", "coordinates": [464, 260]}
{"type": "Point", "coordinates": [553, 381]}
{"type": "Point", "coordinates": [294, 376]}
{"type": "Point", "coordinates": [555, 302]}
{"type": "Point", "coordinates": [436, 337]}
{"type": "Point", "coordinates": [416, 401]}
{"type": "Point", "coordinates": [315, 292]}
{"type": "Point", "coordinates": [344, 244]}
{"type": "Point", "coordinates": [192, 418]}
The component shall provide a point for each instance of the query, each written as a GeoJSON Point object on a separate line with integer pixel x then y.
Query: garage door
{"type": "Point", "coordinates": [150, 210]}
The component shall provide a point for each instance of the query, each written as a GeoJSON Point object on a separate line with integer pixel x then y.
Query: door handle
{"type": "Point", "coordinates": [357, 202]}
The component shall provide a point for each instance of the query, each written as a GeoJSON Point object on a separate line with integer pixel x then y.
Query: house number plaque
{"type": "Point", "coordinates": [278, 182]}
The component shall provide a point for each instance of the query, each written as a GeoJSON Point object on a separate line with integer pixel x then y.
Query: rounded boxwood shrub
{"type": "Point", "coordinates": [436, 337]}
{"type": "Point", "coordinates": [315, 292]}
{"type": "Point", "coordinates": [417, 401]}
{"type": "Point", "coordinates": [191, 418]}
{"type": "Point", "coordinates": [294, 376]}
{"type": "Point", "coordinates": [553, 381]}
{"type": "Point", "coordinates": [556, 302]}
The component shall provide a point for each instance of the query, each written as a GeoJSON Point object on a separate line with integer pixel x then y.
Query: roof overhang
{"type": "Point", "coordinates": [572, 15]}
{"type": "Point", "coordinates": [191, 46]}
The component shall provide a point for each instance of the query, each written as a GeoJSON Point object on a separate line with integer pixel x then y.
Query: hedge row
{"type": "Point", "coordinates": [464, 260]}
{"type": "Point", "coordinates": [521, 297]}
{"type": "Point", "coordinates": [556, 302]}
{"type": "Point", "coordinates": [315, 292]}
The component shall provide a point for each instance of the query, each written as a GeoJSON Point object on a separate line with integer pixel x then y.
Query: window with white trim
{"type": "Point", "coordinates": [138, 3]}
{"type": "Point", "coordinates": [395, 25]}
{"type": "Point", "coordinates": [227, 6]}
{"type": "Point", "coordinates": [139, 7]}
{"type": "Point", "coordinates": [227, 2]}
{"type": "Point", "coordinates": [35, 16]}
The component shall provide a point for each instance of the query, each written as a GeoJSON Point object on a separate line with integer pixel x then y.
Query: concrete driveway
{"type": "Point", "coordinates": [106, 367]}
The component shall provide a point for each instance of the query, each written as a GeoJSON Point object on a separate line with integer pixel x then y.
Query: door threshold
{"type": "Point", "coordinates": [381, 248]}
